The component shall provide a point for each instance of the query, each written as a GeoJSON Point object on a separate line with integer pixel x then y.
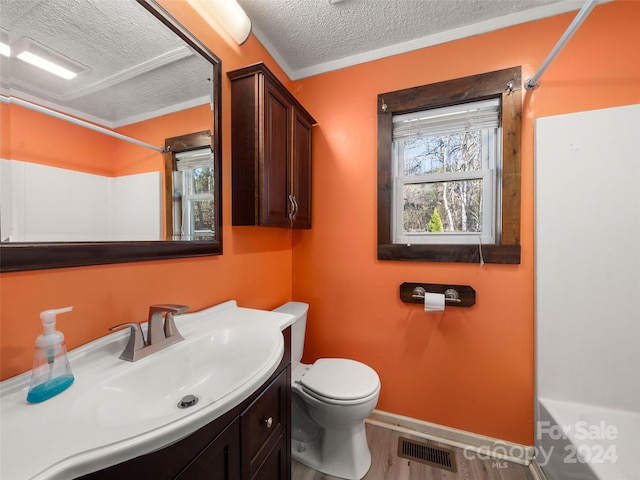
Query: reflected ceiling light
{"type": "Point", "coordinates": [45, 64]}
{"type": "Point", "coordinates": [29, 51]}
{"type": "Point", "coordinates": [228, 14]}
{"type": "Point", "coordinates": [4, 44]}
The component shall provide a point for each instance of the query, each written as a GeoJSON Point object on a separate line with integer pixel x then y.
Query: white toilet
{"type": "Point", "coordinates": [330, 401]}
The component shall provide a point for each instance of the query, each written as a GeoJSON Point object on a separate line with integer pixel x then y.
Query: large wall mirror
{"type": "Point", "coordinates": [84, 151]}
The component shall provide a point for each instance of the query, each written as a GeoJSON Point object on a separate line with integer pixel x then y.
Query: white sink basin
{"type": "Point", "coordinates": [117, 410]}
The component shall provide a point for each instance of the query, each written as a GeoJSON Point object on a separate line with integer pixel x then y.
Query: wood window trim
{"type": "Point", "coordinates": [506, 84]}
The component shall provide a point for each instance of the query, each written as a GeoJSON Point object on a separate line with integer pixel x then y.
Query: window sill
{"type": "Point", "coordinates": [499, 254]}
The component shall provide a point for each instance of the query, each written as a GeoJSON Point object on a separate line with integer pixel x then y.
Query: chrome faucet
{"type": "Point", "coordinates": [161, 332]}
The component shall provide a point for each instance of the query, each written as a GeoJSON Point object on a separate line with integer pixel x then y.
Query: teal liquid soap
{"type": "Point", "coordinates": [49, 389]}
{"type": "Point", "coordinates": [51, 373]}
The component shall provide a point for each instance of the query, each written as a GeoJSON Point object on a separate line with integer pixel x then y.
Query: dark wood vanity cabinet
{"type": "Point", "coordinates": [254, 446]}
{"type": "Point", "coordinates": [265, 426]}
{"type": "Point", "coordinates": [219, 459]}
{"type": "Point", "coordinates": [250, 442]}
{"type": "Point", "coordinates": [271, 152]}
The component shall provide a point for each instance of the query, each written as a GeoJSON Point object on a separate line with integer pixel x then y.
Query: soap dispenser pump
{"type": "Point", "coordinates": [51, 372]}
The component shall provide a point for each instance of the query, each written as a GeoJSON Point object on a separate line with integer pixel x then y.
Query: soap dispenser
{"type": "Point", "coordinates": [51, 372]}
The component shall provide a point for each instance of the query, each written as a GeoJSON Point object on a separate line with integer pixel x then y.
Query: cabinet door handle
{"type": "Point", "coordinates": [292, 210]}
{"type": "Point", "coordinates": [268, 422]}
{"type": "Point", "coordinates": [295, 207]}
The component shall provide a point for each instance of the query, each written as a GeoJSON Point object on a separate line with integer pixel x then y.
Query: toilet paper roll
{"type": "Point", "coordinates": [433, 302]}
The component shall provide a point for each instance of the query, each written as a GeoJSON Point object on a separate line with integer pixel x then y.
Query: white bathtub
{"type": "Point", "coordinates": [582, 442]}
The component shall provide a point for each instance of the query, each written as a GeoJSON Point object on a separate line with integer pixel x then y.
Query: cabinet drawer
{"type": "Point", "coordinates": [263, 422]}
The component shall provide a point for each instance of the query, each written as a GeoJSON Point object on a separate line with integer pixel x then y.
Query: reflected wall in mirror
{"type": "Point", "coordinates": [82, 162]}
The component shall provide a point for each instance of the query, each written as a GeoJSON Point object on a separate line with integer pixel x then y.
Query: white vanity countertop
{"type": "Point", "coordinates": [117, 410]}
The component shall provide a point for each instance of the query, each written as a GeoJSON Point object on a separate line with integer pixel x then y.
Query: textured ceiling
{"type": "Point", "coordinates": [133, 66]}
{"type": "Point", "coordinates": [312, 36]}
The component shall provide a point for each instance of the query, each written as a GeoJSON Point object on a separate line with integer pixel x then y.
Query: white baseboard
{"type": "Point", "coordinates": [479, 444]}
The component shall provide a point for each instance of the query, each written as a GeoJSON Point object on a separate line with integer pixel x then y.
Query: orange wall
{"type": "Point", "coordinates": [5, 132]}
{"type": "Point", "coordinates": [37, 138]}
{"type": "Point", "coordinates": [131, 159]}
{"type": "Point", "coordinates": [467, 368]}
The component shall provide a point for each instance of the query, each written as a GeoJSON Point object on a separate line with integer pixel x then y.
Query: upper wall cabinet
{"type": "Point", "coordinates": [271, 158]}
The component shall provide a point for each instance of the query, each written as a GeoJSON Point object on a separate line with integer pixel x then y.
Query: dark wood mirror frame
{"type": "Point", "coordinates": [38, 256]}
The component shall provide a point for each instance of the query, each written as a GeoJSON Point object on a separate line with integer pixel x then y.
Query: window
{"type": "Point", "coordinates": [449, 170]}
{"type": "Point", "coordinates": [192, 192]}
{"type": "Point", "coordinates": [193, 212]}
{"type": "Point", "coordinates": [444, 163]}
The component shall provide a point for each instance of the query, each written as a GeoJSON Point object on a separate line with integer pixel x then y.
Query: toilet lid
{"type": "Point", "coordinates": [340, 379]}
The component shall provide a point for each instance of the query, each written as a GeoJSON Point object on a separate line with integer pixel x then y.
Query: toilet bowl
{"type": "Point", "coordinates": [331, 398]}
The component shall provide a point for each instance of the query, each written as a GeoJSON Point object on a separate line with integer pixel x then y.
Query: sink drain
{"type": "Point", "coordinates": [187, 401]}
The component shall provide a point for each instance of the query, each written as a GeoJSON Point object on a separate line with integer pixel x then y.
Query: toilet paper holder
{"type": "Point", "coordinates": [454, 295]}
{"type": "Point", "coordinates": [450, 294]}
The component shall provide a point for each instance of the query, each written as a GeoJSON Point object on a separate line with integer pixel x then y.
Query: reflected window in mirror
{"type": "Point", "coordinates": [192, 214]}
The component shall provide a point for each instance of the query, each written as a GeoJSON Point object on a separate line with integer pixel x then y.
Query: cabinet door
{"type": "Point", "coordinates": [220, 460]}
{"type": "Point", "coordinates": [212, 452]}
{"type": "Point", "coordinates": [263, 423]}
{"type": "Point", "coordinates": [274, 171]}
{"type": "Point", "coordinates": [277, 465]}
{"type": "Point", "coordinates": [301, 172]}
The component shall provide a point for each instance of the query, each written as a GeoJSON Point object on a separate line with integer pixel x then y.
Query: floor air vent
{"type": "Point", "coordinates": [431, 455]}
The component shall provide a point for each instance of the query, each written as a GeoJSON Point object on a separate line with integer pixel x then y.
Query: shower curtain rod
{"type": "Point", "coordinates": [76, 121]}
{"type": "Point", "coordinates": [534, 82]}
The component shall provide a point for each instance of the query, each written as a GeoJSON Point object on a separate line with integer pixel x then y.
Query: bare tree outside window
{"type": "Point", "coordinates": [203, 209]}
{"type": "Point", "coordinates": [459, 201]}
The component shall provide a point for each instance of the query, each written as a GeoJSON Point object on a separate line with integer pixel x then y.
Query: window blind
{"type": "Point", "coordinates": [194, 159]}
{"type": "Point", "coordinates": [481, 115]}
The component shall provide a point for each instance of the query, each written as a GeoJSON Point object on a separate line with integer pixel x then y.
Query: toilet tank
{"type": "Point", "coordinates": [298, 328]}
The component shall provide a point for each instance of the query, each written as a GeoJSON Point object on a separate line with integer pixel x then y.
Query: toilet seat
{"type": "Point", "coordinates": [340, 381]}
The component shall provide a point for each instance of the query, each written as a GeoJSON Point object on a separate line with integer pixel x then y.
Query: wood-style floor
{"type": "Point", "coordinates": [386, 465]}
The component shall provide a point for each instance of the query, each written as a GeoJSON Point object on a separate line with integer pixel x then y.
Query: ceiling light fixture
{"type": "Point", "coordinates": [29, 51]}
{"type": "Point", "coordinates": [45, 64]}
{"type": "Point", "coordinates": [228, 14]}
{"type": "Point", "coordinates": [4, 44]}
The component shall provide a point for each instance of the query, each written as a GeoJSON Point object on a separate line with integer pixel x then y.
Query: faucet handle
{"type": "Point", "coordinates": [158, 331]}
{"type": "Point", "coordinates": [170, 329]}
{"type": "Point", "coordinates": [136, 340]}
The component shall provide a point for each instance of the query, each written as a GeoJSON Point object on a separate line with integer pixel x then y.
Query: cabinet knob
{"type": "Point", "coordinates": [268, 422]}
